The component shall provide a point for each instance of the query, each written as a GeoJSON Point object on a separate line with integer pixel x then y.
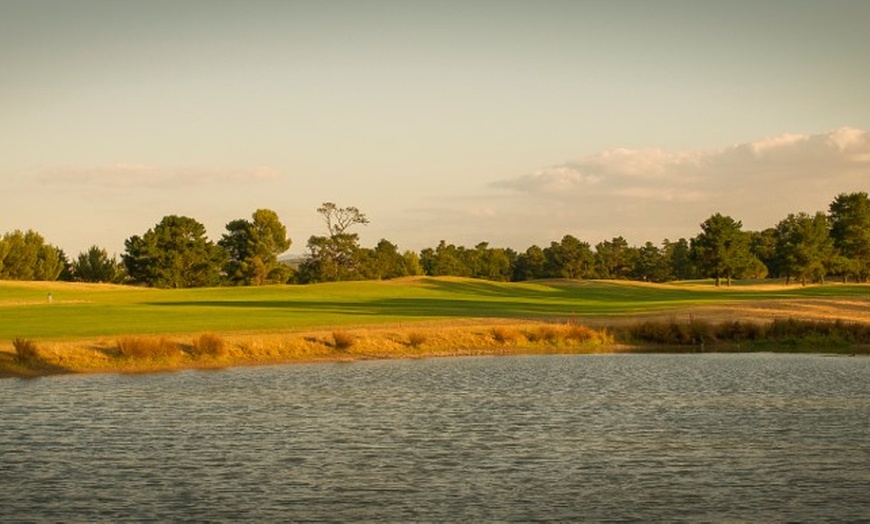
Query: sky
{"type": "Point", "coordinates": [509, 122]}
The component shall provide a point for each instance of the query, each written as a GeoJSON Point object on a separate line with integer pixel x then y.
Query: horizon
{"type": "Point", "coordinates": [504, 122]}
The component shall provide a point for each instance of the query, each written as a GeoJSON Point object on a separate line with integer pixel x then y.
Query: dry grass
{"type": "Point", "coordinates": [147, 347]}
{"type": "Point", "coordinates": [507, 336]}
{"type": "Point", "coordinates": [784, 320]}
{"type": "Point", "coordinates": [417, 338]}
{"type": "Point", "coordinates": [208, 345]}
{"type": "Point", "coordinates": [342, 340]}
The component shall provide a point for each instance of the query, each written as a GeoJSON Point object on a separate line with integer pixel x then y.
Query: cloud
{"type": "Point", "coordinates": [141, 176]}
{"type": "Point", "coordinates": [653, 193]}
{"type": "Point", "coordinates": [653, 174]}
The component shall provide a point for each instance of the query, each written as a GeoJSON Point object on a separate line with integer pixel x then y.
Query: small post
{"type": "Point", "coordinates": [50, 297]}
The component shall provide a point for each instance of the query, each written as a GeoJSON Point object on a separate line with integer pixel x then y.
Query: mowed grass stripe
{"type": "Point", "coordinates": [87, 310]}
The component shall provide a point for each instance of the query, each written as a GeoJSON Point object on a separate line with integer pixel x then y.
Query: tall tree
{"type": "Point", "coordinates": [339, 219]}
{"type": "Point", "coordinates": [95, 265]}
{"type": "Point", "coordinates": [334, 257]}
{"type": "Point", "coordinates": [175, 253]}
{"type": "Point", "coordinates": [803, 246]}
{"type": "Point", "coordinates": [253, 247]}
{"type": "Point", "coordinates": [722, 249]}
{"type": "Point", "coordinates": [849, 216]}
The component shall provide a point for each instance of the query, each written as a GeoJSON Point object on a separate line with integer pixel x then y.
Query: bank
{"type": "Point", "coordinates": [468, 337]}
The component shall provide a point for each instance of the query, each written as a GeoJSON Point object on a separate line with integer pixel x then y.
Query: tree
{"type": "Point", "coordinates": [530, 265]}
{"type": "Point", "coordinates": [803, 246]}
{"type": "Point", "coordinates": [253, 247]}
{"type": "Point", "coordinates": [175, 254]}
{"type": "Point", "coordinates": [339, 219]}
{"type": "Point", "coordinates": [95, 265]}
{"type": "Point", "coordinates": [722, 249]}
{"type": "Point", "coordinates": [445, 260]}
{"type": "Point", "coordinates": [569, 258]}
{"type": "Point", "coordinates": [334, 257]}
{"type": "Point", "coordinates": [678, 260]}
{"type": "Point", "coordinates": [849, 216]}
{"type": "Point", "coordinates": [490, 263]}
{"type": "Point", "coordinates": [650, 264]}
{"type": "Point", "coordinates": [26, 256]}
{"type": "Point", "coordinates": [762, 244]}
{"type": "Point", "coordinates": [383, 262]}
{"type": "Point", "coordinates": [614, 258]}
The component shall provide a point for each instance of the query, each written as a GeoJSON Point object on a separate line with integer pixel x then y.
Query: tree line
{"type": "Point", "coordinates": [176, 253]}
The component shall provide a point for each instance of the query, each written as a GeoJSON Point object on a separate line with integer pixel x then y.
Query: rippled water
{"type": "Point", "coordinates": [623, 437]}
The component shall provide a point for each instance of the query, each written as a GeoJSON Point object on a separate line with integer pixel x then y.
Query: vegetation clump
{"type": "Point", "coordinates": [342, 340]}
{"type": "Point", "coordinates": [147, 347]}
{"type": "Point", "coordinates": [505, 335]}
{"type": "Point", "coordinates": [416, 339]}
{"type": "Point", "coordinates": [26, 351]}
{"type": "Point", "coordinates": [672, 332]}
{"type": "Point", "coordinates": [788, 332]}
{"type": "Point", "coordinates": [208, 345]}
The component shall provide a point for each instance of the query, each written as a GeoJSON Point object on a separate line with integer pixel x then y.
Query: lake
{"type": "Point", "coordinates": [757, 437]}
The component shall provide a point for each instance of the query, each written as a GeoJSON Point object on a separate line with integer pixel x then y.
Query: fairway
{"type": "Point", "coordinates": [90, 310]}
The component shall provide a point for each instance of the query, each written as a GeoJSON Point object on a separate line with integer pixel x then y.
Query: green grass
{"type": "Point", "coordinates": [80, 311]}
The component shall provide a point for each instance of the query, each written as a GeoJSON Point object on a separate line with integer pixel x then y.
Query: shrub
{"type": "Point", "coordinates": [673, 332]}
{"type": "Point", "coordinates": [579, 333]}
{"type": "Point", "coordinates": [416, 339]}
{"type": "Point", "coordinates": [146, 347]}
{"type": "Point", "coordinates": [737, 331]}
{"type": "Point", "coordinates": [547, 334]}
{"type": "Point", "coordinates": [25, 350]}
{"type": "Point", "coordinates": [504, 335]}
{"type": "Point", "coordinates": [342, 340]}
{"type": "Point", "coordinates": [210, 345]}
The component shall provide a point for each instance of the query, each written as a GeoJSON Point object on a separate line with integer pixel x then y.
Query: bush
{"type": "Point", "coordinates": [342, 340]}
{"type": "Point", "coordinates": [504, 335]}
{"type": "Point", "coordinates": [26, 351]}
{"type": "Point", "coordinates": [416, 339]}
{"type": "Point", "coordinates": [548, 334]}
{"type": "Point", "coordinates": [738, 331]}
{"type": "Point", "coordinates": [146, 347]}
{"type": "Point", "coordinates": [209, 345]}
{"type": "Point", "coordinates": [673, 332]}
{"type": "Point", "coordinates": [580, 333]}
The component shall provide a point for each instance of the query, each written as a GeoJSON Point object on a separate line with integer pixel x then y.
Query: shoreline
{"type": "Point", "coordinates": [433, 339]}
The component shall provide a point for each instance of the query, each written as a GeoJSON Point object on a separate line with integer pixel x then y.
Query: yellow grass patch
{"type": "Point", "coordinates": [214, 350]}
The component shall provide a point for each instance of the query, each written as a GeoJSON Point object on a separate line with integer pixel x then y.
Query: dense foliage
{"type": "Point", "coordinates": [176, 253]}
{"type": "Point", "coordinates": [26, 256]}
{"type": "Point", "coordinates": [252, 249]}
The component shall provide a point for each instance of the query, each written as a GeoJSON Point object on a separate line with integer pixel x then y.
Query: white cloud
{"type": "Point", "coordinates": [650, 194]}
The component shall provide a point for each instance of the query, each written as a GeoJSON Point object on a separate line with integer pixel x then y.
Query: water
{"type": "Point", "coordinates": [617, 437]}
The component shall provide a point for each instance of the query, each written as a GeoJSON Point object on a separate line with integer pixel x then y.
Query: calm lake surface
{"type": "Point", "coordinates": [620, 437]}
